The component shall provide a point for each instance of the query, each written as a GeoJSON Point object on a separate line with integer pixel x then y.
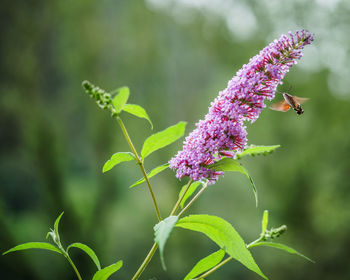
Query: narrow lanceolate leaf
{"type": "Point", "coordinates": [281, 247]}
{"type": "Point", "coordinates": [205, 264]}
{"type": "Point", "coordinates": [257, 150]}
{"type": "Point", "coordinates": [34, 245]}
{"type": "Point", "coordinates": [162, 231]}
{"type": "Point", "coordinates": [104, 273]}
{"type": "Point", "coordinates": [121, 98]}
{"type": "Point", "coordinates": [229, 164]}
{"type": "Point", "coordinates": [265, 221]}
{"type": "Point", "coordinates": [88, 251]}
{"type": "Point", "coordinates": [116, 159]}
{"type": "Point", "coordinates": [57, 223]}
{"type": "Point", "coordinates": [224, 235]}
{"type": "Point", "coordinates": [190, 191]}
{"type": "Point", "coordinates": [137, 111]}
{"type": "Point", "coordinates": [163, 138]}
{"type": "Point", "coordinates": [153, 172]}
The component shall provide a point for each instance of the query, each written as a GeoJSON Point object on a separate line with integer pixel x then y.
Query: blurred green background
{"type": "Point", "coordinates": [175, 56]}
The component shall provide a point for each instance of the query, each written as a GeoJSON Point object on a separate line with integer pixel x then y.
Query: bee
{"type": "Point", "coordinates": [289, 101]}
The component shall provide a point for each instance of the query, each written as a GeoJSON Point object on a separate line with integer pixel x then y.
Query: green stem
{"type": "Point", "coordinates": [227, 260]}
{"type": "Point", "coordinates": [145, 262]}
{"type": "Point", "coordinates": [140, 163]}
{"type": "Point", "coordinates": [177, 204]}
{"type": "Point", "coordinates": [155, 245]}
{"type": "Point", "coordinates": [214, 268]}
{"type": "Point", "coordinates": [73, 265]}
{"type": "Point", "coordinates": [193, 199]}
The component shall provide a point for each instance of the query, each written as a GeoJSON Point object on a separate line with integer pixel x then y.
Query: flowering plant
{"type": "Point", "coordinates": [214, 147]}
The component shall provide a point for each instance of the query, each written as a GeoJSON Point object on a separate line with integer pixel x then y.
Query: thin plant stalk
{"type": "Point", "coordinates": [140, 163]}
{"type": "Point", "coordinates": [74, 267]}
{"type": "Point", "coordinates": [176, 206]}
{"type": "Point", "coordinates": [193, 199]}
{"type": "Point", "coordinates": [145, 262]}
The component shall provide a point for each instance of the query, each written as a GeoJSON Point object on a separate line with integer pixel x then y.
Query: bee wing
{"type": "Point", "coordinates": [300, 100]}
{"type": "Point", "coordinates": [282, 106]}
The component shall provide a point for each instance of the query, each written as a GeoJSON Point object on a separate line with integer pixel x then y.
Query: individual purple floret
{"type": "Point", "coordinates": [222, 132]}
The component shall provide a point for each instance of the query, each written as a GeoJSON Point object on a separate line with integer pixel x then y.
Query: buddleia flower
{"type": "Point", "coordinates": [222, 133]}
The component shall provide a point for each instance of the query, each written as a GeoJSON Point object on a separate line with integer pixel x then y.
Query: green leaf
{"type": "Point", "coordinates": [190, 191]}
{"type": "Point", "coordinates": [264, 223]}
{"type": "Point", "coordinates": [57, 223]}
{"type": "Point", "coordinates": [153, 172]}
{"type": "Point", "coordinates": [257, 150]}
{"type": "Point", "coordinates": [229, 164]}
{"type": "Point", "coordinates": [223, 234]}
{"type": "Point", "coordinates": [121, 98]}
{"type": "Point", "coordinates": [88, 251]}
{"type": "Point", "coordinates": [205, 264]}
{"type": "Point", "coordinates": [137, 111]}
{"type": "Point", "coordinates": [34, 245]}
{"type": "Point", "coordinates": [104, 273]}
{"type": "Point", "coordinates": [281, 247]}
{"type": "Point", "coordinates": [116, 159]}
{"type": "Point", "coordinates": [162, 231]}
{"type": "Point", "coordinates": [162, 139]}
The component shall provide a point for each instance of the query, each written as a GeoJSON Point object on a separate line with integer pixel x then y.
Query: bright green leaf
{"type": "Point", "coordinates": [189, 192]}
{"type": "Point", "coordinates": [162, 231]}
{"type": "Point", "coordinates": [282, 247]}
{"type": "Point", "coordinates": [121, 98]}
{"type": "Point", "coordinates": [205, 264]}
{"type": "Point", "coordinates": [88, 251]}
{"type": "Point", "coordinates": [229, 164]}
{"type": "Point", "coordinates": [153, 172]}
{"type": "Point", "coordinates": [57, 223]}
{"type": "Point", "coordinates": [137, 111]}
{"type": "Point", "coordinates": [162, 139]}
{"type": "Point", "coordinates": [264, 223]}
{"type": "Point", "coordinates": [257, 150]}
{"type": "Point", "coordinates": [34, 245]}
{"type": "Point", "coordinates": [104, 273]}
{"type": "Point", "coordinates": [116, 159]}
{"type": "Point", "coordinates": [224, 235]}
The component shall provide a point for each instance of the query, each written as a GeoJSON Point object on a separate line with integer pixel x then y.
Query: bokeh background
{"type": "Point", "coordinates": [175, 56]}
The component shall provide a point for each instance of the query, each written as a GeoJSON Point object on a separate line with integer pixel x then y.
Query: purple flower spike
{"type": "Point", "coordinates": [222, 133]}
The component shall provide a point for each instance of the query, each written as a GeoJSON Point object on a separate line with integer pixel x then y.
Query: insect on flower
{"type": "Point", "coordinates": [289, 101]}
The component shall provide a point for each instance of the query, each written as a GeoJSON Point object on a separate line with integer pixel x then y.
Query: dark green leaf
{"type": "Point", "coordinates": [163, 138]}
{"type": "Point", "coordinates": [264, 222]}
{"type": "Point", "coordinates": [229, 164]}
{"type": "Point", "coordinates": [282, 247]}
{"type": "Point", "coordinates": [153, 172]}
{"type": "Point", "coordinates": [257, 150]}
{"type": "Point", "coordinates": [205, 264]}
{"type": "Point", "coordinates": [121, 98]}
{"type": "Point", "coordinates": [34, 245]}
{"type": "Point", "coordinates": [162, 231]}
{"type": "Point", "coordinates": [190, 191]}
{"type": "Point", "coordinates": [137, 111]}
{"type": "Point", "coordinates": [116, 159]}
{"type": "Point", "coordinates": [88, 251]}
{"type": "Point", "coordinates": [223, 234]}
{"type": "Point", "coordinates": [104, 273]}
